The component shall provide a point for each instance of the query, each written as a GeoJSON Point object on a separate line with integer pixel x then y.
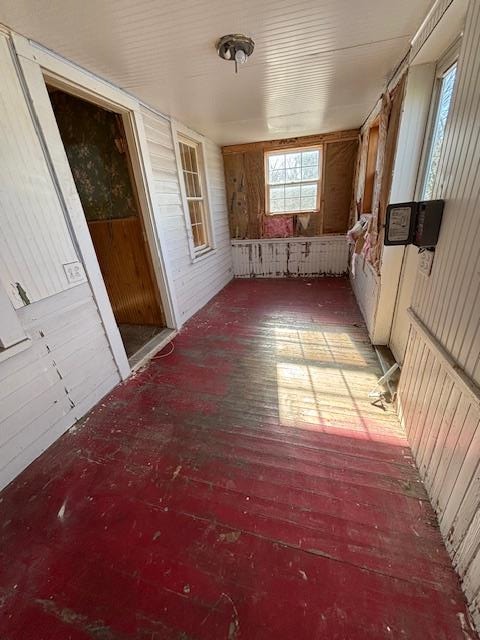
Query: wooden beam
{"type": "Point", "coordinates": [289, 143]}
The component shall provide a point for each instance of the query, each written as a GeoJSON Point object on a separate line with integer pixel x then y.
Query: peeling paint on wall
{"type": "Point", "coordinates": [295, 257]}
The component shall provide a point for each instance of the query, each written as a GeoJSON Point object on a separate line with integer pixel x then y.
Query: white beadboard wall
{"type": "Point", "coordinates": [34, 238]}
{"type": "Point", "coordinates": [290, 257]}
{"type": "Point", "coordinates": [439, 394]}
{"type": "Point", "coordinates": [366, 287]}
{"type": "Point", "coordinates": [195, 283]}
{"type": "Point", "coordinates": [45, 389]}
{"type": "Point", "coordinates": [68, 366]}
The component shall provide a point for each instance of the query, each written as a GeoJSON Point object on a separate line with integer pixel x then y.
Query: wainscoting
{"type": "Point", "coordinates": [290, 257]}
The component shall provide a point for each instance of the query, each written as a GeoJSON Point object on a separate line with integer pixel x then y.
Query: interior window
{"type": "Point", "coordinates": [293, 180]}
{"type": "Point", "coordinates": [194, 189]}
{"type": "Point", "coordinates": [446, 84]}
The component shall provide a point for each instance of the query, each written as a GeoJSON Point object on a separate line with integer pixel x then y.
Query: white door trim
{"type": "Point", "coordinates": [38, 65]}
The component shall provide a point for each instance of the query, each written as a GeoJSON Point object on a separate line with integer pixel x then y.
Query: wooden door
{"type": "Point", "coordinates": [122, 255]}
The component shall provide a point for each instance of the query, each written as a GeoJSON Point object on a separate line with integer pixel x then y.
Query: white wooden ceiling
{"type": "Point", "coordinates": [318, 65]}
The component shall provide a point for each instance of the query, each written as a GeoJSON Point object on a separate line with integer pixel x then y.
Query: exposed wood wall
{"type": "Point", "coordinates": [245, 185]}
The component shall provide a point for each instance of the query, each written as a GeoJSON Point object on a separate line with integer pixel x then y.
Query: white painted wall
{"type": "Point", "coordinates": [67, 366]}
{"type": "Point", "coordinates": [366, 287]}
{"type": "Point", "coordinates": [34, 239]}
{"type": "Point", "coordinates": [45, 389]}
{"type": "Point", "coordinates": [413, 129]}
{"type": "Point", "coordinates": [439, 395]}
{"type": "Point", "coordinates": [282, 257]}
{"type": "Point", "coordinates": [69, 363]}
{"type": "Point", "coordinates": [195, 281]}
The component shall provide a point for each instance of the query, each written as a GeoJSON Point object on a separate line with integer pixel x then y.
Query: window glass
{"type": "Point", "coordinates": [293, 181]}
{"type": "Point", "coordinates": [193, 181]}
{"type": "Point", "coordinates": [447, 83]}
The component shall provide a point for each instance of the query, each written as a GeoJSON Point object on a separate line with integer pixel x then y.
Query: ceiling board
{"type": "Point", "coordinates": [318, 65]}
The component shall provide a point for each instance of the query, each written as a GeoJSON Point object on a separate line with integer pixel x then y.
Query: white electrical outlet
{"type": "Point", "coordinates": [74, 272]}
{"type": "Point", "coordinates": [425, 262]}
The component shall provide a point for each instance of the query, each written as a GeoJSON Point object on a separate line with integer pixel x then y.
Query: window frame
{"type": "Point", "coordinates": [184, 135]}
{"type": "Point", "coordinates": [444, 64]}
{"type": "Point", "coordinates": [319, 181]}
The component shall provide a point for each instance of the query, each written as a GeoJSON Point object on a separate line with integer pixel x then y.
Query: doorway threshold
{"type": "Point", "coordinates": [150, 348]}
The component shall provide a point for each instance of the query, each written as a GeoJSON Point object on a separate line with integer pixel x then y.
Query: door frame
{"type": "Point", "coordinates": [38, 67]}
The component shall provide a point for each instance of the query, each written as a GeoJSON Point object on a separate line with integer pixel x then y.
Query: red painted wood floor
{"type": "Point", "coordinates": [241, 487]}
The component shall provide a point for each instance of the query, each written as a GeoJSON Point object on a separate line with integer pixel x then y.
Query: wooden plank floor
{"type": "Point", "coordinates": [241, 487]}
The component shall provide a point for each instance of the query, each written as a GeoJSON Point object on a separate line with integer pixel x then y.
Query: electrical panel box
{"type": "Point", "coordinates": [400, 223]}
{"type": "Point", "coordinates": [415, 223]}
{"type": "Point", "coordinates": [428, 221]}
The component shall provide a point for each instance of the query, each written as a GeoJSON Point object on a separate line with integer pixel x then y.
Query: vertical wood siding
{"type": "Point", "coordinates": [194, 282]}
{"type": "Point", "coordinates": [34, 238]}
{"type": "Point", "coordinates": [45, 389]}
{"type": "Point", "coordinates": [292, 257]}
{"type": "Point", "coordinates": [441, 418]}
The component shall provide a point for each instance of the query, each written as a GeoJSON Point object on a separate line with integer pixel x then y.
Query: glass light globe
{"type": "Point", "coordinates": [240, 56]}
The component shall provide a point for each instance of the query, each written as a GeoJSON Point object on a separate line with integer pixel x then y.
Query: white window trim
{"type": "Point", "coordinates": [12, 336]}
{"type": "Point", "coordinates": [447, 60]}
{"type": "Point", "coordinates": [181, 131]}
{"type": "Point", "coordinates": [318, 182]}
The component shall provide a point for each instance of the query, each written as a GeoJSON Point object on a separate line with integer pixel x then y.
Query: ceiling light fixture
{"type": "Point", "coordinates": [235, 47]}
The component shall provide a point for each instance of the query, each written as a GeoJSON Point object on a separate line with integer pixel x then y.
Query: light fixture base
{"type": "Point", "coordinates": [228, 47]}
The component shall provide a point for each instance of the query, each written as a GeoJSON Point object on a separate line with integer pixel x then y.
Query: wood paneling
{"type": "Point", "coordinates": [122, 254]}
{"type": "Point", "coordinates": [194, 282]}
{"type": "Point", "coordinates": [440, 415]}
{"type": "Point", "coordinates": [245, 182]}
{"type": "Point", "coordinates": [339, 161]}
{"type": "Point", "coordinates": [245, 186]}
{"type": "Point", "coordinates": [370, 169]}
{"type": "Point", "coordinates": [395, 111]}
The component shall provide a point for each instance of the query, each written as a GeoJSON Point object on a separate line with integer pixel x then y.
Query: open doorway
{"type": "Point", "coordinates": [96, 146]}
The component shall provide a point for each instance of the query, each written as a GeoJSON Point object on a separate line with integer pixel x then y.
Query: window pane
{"type": "Point", "coordinates": [292, 192]}
{"type": "Point", "coordinates": [308, 204]}
{"type": "Point", "coordinates": [309, 190]}
{"type": "Point", "coordinates": [277, 176]}
{"type": "Point", "coordinates": [293, 175]}
{"type": "Point", "coordinates": [276, 162]}
{"type": "Point", "coordinates": [292, 204]}
{"type": "Point", "coordinates": [197, 221]}
{"type": "Point", "coordinates": [310, 158]}
{"type": "Point", "coordinates": [293, 160]}
{"type": "Point", "coordinates": [310, 173]}
{"type": "Point", "coordinates": [444, 101]}
{"type": "Point", "coordinates": [277, 206]}
{"type": "Point", "coordinates": [193, 159]}
{"type": "Point", "coordinates": [286, 174]}
{"type": "Point", "coordinates": [277, 193]}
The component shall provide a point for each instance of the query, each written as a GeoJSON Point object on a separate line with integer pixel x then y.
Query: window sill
{"type": "Point", "coordinates": [292, 213]}
{"type": "Point", "coordinates": [206, 253]}
{"type": "Point", "coordinates": [16, 348]}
